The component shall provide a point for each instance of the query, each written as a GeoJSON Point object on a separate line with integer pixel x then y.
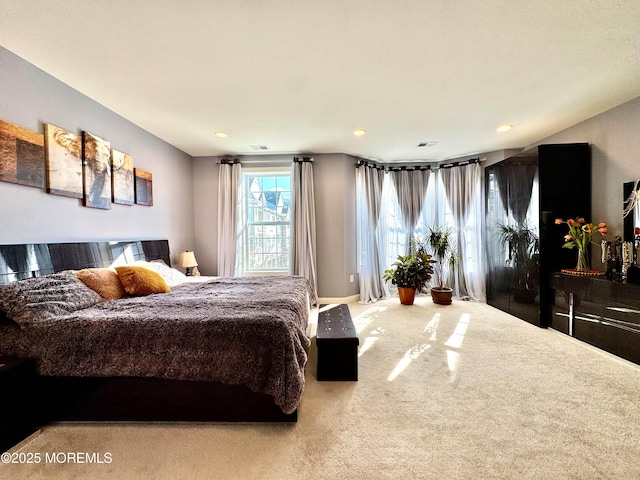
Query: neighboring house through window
{"type": "Point", "coordinates": [267, 229]}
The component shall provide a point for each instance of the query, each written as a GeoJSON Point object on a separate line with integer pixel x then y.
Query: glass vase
{"type": "Point", "coordinates": [583, 262]}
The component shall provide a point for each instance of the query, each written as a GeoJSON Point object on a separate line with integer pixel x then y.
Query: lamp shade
{"type": "Point", "coordinates": [187, 260]}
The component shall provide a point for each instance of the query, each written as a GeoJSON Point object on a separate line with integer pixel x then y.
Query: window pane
{"type": "Point", "coordinates": [267, 223]}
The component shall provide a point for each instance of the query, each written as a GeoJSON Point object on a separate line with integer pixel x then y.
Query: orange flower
{"type": "Point", "coordinates": [559, 221]}
{"type": "Point", "coordinates": [581, 232]}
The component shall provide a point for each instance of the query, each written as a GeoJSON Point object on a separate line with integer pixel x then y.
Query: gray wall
{"type": "Point", "coordinates": [335, 201]}
{"type": "Point", "coordinates": [29, 98]}
{"type": "Point", "coordinates": [335, 192]}
{"type": "Point", "coordinates": [615, 149]}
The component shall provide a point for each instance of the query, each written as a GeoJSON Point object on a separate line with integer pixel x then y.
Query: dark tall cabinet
{"type": "Point", "coordinates": [524, 194]}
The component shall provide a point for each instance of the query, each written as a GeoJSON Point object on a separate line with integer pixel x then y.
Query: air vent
{"type": "Point", "coordinates": [259, 148]}
{"type": "Point", "coordinates": [427, 144]}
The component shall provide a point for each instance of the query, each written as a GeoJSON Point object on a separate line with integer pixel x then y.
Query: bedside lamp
{"type": "Point", "coordinates": [188, 260]}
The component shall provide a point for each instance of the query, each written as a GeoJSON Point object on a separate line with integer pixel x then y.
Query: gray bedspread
{"type": "Point", "coordinates": [249, 331]}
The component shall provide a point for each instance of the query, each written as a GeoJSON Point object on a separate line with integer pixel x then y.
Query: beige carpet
{"type": "Point", "coordinates": [457, 392]}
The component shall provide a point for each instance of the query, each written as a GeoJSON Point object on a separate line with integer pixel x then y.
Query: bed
{"type": "Point", "coordinates": [219, 349]}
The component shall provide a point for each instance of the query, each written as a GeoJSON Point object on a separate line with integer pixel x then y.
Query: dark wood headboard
{"type": "Point", "coordinates": [18, 262]}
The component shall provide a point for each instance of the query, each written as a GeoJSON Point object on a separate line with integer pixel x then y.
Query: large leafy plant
{"type": "Point", "coordinates": [411, 271]}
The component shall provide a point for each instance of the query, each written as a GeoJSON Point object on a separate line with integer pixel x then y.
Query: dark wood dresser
{"type": "Point", "coordinates": [602, 312]}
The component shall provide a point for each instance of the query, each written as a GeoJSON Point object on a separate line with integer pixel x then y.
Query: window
{"type": "Point", "coordinates": [267, 232]}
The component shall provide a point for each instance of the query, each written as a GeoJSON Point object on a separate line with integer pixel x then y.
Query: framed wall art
{"type": "Point", "coordinates": [21, 155]}
{"type": "Point", "coordinates": [63, 162]}
{"type": "Point", "coordinates": [122, 178]}
{"type": "Point", "coordinates": [144, 187]}
{"type": "Point", "coordinates": [96, 155]}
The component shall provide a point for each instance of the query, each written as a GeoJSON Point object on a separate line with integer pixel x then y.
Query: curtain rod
{"type": "Point", "coordinates": [303, 159]}
{"type": "Point", "coordinates": [391, 168]}
{"type": "Point", "coordinates": [228, 161]}
{"type": "Point", "coordinates": [461, 163]}
{"type": "Point", "coordinates": [364, 163]}
{"type": "Point", "coordinates": [408, 168]}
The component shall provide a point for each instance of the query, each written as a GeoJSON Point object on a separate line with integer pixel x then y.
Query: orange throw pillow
{"type": "Point", "coordinates": [141, 281]}
{"type": "Point", "coordinates": [104, 281]}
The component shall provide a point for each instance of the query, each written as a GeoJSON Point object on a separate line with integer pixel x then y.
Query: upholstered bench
{"type": "Point", "coordinates": [337, 343]}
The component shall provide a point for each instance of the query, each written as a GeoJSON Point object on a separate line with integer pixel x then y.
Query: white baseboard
{"type": "Point", "coordinates": [327, 300]}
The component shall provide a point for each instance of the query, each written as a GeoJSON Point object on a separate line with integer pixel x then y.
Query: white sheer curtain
{"type": "Point", "coordinates": [369, 181]}
{"type": "Point", "coordinates": [229, 209]}
{"type": "Point", "coordinates": [462, 186]}
{"type": "Point", "coordinates": [303, 222]}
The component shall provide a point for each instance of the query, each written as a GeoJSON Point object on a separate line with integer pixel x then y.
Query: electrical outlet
{"type": "Point", "coordinates": [351, 278]}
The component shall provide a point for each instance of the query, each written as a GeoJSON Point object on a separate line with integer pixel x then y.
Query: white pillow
{"type": "Point", "coordinates": [171, 275]}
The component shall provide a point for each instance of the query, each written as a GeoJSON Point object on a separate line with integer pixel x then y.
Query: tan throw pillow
{"type": "Point", "coordinates": [141, 281]}
{"type": "Point", "coordinates": [104, 281]}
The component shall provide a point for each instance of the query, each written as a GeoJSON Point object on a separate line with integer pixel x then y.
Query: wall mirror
{"type": "Point", "coordinates": [631, 210]}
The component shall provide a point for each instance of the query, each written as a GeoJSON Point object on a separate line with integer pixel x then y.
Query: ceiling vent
{"type": "Point", "coordinates": [427, 144]}
{"type": "Point", "coordinates": [259, 148]}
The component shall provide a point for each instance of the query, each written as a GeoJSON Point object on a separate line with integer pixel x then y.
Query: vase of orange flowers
{"type": "Point", "coordinates": [580, 236]}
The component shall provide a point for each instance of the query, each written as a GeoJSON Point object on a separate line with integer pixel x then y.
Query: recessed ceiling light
{"type": "Point", "coordinates": [359, 132]}
{"type": "Point", "coordinates": [504, 128]}
{"type": "Point", "coordinates": [221, 134]}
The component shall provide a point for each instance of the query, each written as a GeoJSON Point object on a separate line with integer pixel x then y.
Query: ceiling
{"type": "Point", "coordinates": [298, 76]}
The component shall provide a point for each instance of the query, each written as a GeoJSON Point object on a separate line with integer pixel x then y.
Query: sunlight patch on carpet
{"type": "Point", "coordinates": [365, 318]}
{"type": "Point", "coordinates": [453, 361]}
{"type": "Point", "coordinates": [457, 337]}
{"type": "Point", "coordinates": [411, 354]}
{"type": "Point", "coordinates": [366, 345]}
{"type": "Point", "coordinates": [370, 340]}
{"type": "Point", "coordinates": [432, 327]}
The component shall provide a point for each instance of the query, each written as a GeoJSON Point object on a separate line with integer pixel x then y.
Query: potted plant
{"type": "Point", "coordinates": [443, 248]}
{"type": "Point", "coordinates": [523, 246]}
{"type": "Point", "coordinates": [410, 273]}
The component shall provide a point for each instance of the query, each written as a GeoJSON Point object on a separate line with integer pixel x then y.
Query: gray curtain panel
{"type": "Point", "coordinates": [229, 181]}
{"type": "Point", "coordinates": [303, 223]}
{"type": "Point", "coordinates": [369, 182]}
{"type": "Point", "coordinates": [411, 189]}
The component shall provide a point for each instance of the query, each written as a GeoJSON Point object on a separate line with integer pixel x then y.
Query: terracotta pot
{"type": "Point", "coordinates": [441, 296]}
{"type": "Point", "coordinates": [407, 295]}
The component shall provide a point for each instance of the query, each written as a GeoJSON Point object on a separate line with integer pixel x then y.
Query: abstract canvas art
{"type": "Point", "coordinates": [122, 178]}
{"type": "Point", "coordinates": [64, 162]}
{"type": "Point", "coordinates": [144, 187]}
{"type": "Point", "coordinates": [21, 155]}
{"type": "Point", "coordinates": [96, 155]}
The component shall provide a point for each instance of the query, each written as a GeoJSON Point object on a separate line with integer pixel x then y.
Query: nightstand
{"type": "Point", "coordinates": [18, 418]}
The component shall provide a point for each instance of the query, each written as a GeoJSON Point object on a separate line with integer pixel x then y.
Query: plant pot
{"type": "Point", "coordinates": [407, 295]}
{"type": "Point", "coordinates": [524, 295]}
{"type": "Point", "coordinates": [441, 296]}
